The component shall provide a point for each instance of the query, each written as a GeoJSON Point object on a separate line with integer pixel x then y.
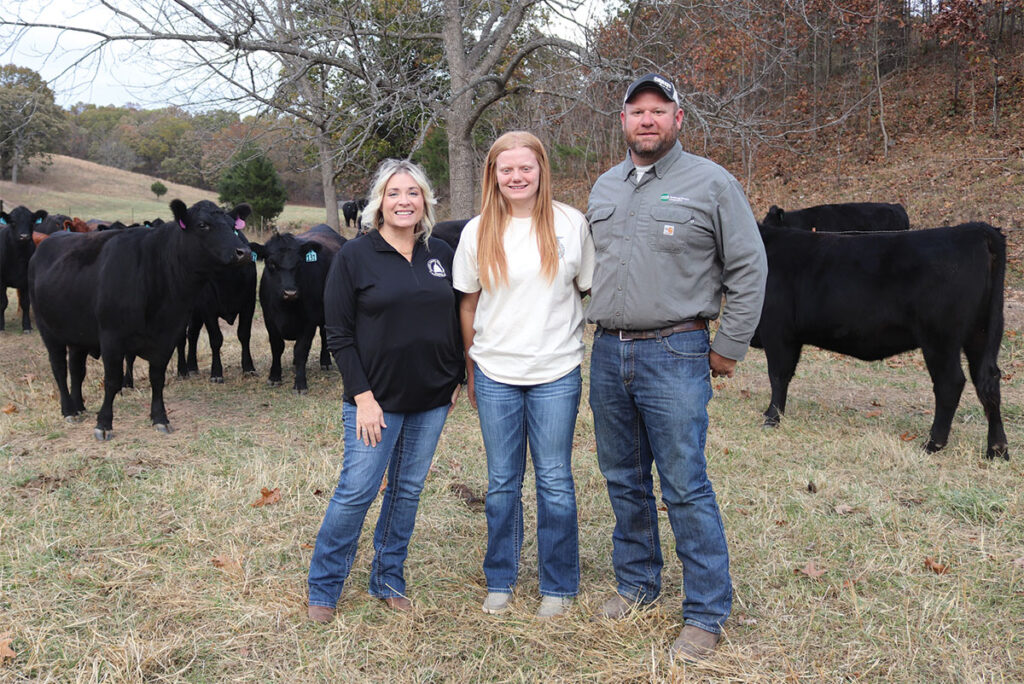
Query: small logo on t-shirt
{"type": "Point", "coordinates": [435, 268]}
{"type": "Point", "coordinates": [561, 247]}
{"type": "Point", "coordinates": [674, 199]}
{"type": "Point", "coordinates": [669, 229]}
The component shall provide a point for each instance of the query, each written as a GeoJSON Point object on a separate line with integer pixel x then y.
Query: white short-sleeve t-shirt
{"type": "Point", "coordinates": [529, 331]}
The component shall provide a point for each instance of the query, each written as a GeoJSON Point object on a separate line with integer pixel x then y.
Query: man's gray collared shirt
{"type": "Point", "coordinates": [670, 247]}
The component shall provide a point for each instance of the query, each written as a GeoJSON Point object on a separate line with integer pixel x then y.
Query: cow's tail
{"type": "Point", "coordinates": [994, 323]}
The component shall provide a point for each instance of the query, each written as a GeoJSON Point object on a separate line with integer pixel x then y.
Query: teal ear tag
{"type": "Point", "coordinates": [3, 222]}
{"type": "Point", "coordinates": [254, 257]}
{"type": "Point", "coordinates": [310, 256]}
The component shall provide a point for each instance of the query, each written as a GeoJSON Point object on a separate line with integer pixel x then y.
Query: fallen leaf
{"type": "Point", "coordinates": [743, 619]}
{"type": "Point", "coordinates": [745, 393]}
{"type": "Point", "coordinates": [872, 414]}
{"type": "Point", "coordinates": [227, 563]}
{"type": "Point", "coordinates": [318, 492]}
{"type": "Point", "coordinates": [6, 653]}
{"type": "Point", "coordinates": [719, 386]}
{"type": "Point", "coordinates": [725, 451]}
{"type": "Point", "coordinates": [851, 582]}
{"type": "Point", "coordinates": [812, 488]}
{"type": "Point", "coordinates": [843, 509]}
{"type": "Point", "coordinates": [781, 523]}
{"type": "Point", "coordinates": [304, 545]}
{"type": "Point", "coordinates": [935, 566]}
{"type": "Point", "coordinates": [268, 496]}
{"type": "Point", "coordinates": [908, 436]}
{"type": "Point", "coordinates": [28, 378]}
{"type": "Point", "coordinates": [811, 570]}
{"type": "Point", "coordinates": [10, 408]}
{"type": "Point", "coordinates": [468, 496]}
{"type": "Point", "coordinates": [1019, 562]}
{"type": "Point", "coordinates": [877, 402]}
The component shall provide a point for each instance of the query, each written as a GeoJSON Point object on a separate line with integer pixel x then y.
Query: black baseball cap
{"type": "Point", "coordinates": [652, 82]}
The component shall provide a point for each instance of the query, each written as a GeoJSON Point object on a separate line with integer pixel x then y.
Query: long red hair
{"type": "Point", "coordinates": [495, 214]}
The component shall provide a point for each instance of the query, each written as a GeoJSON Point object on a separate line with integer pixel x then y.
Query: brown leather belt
{"type": "Point", "coordinates": [685, 326]}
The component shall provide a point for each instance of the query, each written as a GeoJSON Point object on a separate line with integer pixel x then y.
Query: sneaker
{"type": "Point", "coordinates": [496, 602]}
{"type": "Point", "coordinates": [553, 606]}
{"type": "Point", "coordinates": [694, 644]}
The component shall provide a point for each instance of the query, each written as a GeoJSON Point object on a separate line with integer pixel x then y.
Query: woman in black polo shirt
{"type": "Point", "coordinates": [392, 327]}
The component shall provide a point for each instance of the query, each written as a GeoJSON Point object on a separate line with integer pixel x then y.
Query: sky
{"type": "Point", "coordinates": [108, 78]}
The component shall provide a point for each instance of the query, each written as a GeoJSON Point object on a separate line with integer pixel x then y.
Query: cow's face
{"type": "Point", "coordinates": [215, 231]}
{"type": "Point", "coordinates": [284, 256]}
{"type": "Point", "coordinates": [22, 221]}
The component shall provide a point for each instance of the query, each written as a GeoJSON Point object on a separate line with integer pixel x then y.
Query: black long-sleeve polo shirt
{"type": "Point", "coordinates": [392, 326]}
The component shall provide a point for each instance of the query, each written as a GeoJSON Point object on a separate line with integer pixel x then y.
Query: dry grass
{"type": "Point", "coordinates": [106, 549]}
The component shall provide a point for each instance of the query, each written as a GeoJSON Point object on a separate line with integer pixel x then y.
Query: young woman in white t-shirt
{"type": "Point", "coordinates": [523, 265]}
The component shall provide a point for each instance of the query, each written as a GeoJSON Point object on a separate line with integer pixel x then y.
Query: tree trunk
{"type": "Point", "coordinates": [327, 181]}
{"type": "Point", "coordinates": [461, 159]}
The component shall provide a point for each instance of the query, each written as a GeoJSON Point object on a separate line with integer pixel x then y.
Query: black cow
{"type": "Point", "coordinates": [351, 210]}
{"type": "Point", "coordinates": [292, 295]}
{"type": "Point", "coordinates": [874, 295]}
{"type": "Point", "coordinates": [121, 292]}
{"type": "Point", "coordinates": [229, 294]}
{"type": "Point", "coordinates": [55, 222]}
{"type": "Point", "coordinates": [837, 218]}
{"type": "Point", "coordinates": [449, 231]}
{"type": "Point", "coordinates": [16, 248]}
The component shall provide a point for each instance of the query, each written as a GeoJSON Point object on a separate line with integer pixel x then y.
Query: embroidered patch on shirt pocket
{"type": "Point", "coordinates": [670, 224]}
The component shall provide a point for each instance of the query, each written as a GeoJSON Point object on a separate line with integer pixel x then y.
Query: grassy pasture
{"type": "Point", "coordinates": [106, 550]}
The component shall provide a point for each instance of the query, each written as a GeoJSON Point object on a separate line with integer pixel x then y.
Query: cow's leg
{"type": "Point", "coordinates": [157, 377]}
{"type": "Point", "coordinates": [24, 301]}
{"type": "Point", "coordinates": [182, 361]}
{"type": "Point", "coordinates": [985, 375]}
{"type": "Point", "coordinates": [3, 304]}
{"type": "Point", "coordinates": [77, 357]}
{"type": "Point", "coordinates": [948, 384]}
{"type": "Point", "coordinates": [216, 337]}
{"type": "Point", "coordinates": [276, 350]}
{"type": "Point", "coordinates": [782, 360]}
{"type": "Point", "coordinates": [113, 377]}
{"type": "Point", "coordinates": [245, 334]}
{"type": "Point", "coordinates": [301, 355]}
{"type": "Point", "coordinates": [193, 330]}
{"type": "Point", "coordinates": [59, 366]}
{"type": "Point", "coordinates": [325, 355]}
{"type": "Point", "coordinates": [129, 371]}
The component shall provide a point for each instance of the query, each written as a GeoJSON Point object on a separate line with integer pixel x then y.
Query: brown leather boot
{"type": "Point", "coordinates": [694, 644]}
{"type": "Point", "coordinates": [321, 613]}
{"type": "Point", "coordinates": [399, 604]}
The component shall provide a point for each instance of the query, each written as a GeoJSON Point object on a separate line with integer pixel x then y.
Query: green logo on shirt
{"type": "Point", "coordinates": [674, 198]}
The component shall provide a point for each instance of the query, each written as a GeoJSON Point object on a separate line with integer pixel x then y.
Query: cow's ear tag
{"type": "Point", "coordinates": [181, 223]}
{"type": "Point", "coordinates": [254, 257]}
{"type": "Point", "coordinates": [38, 221]}
{"type": "Point", "coordinates": [239, 224]}
{"type": "Point", "coordinates": [3, 222]}
{"type": "Point", "coordinates": [310, 256]}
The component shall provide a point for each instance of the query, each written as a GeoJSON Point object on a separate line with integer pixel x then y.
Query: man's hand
{"type": "Point", "coordinates": [721, 366]}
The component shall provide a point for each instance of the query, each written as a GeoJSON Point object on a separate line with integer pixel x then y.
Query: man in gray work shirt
{"type": "Point", "coordinates": [674, 233]}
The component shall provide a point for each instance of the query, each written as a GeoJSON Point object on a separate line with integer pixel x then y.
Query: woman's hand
{"type": "Point", "coordinates": [470, 390]}
{"type": "Point", "coordinates": [369, 419]}
{"type": "Point", "coordinates": [455, 398]}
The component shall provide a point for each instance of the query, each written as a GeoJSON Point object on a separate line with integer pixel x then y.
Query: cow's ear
{"type": "Point", "coordinates": [180, 211]}
{"type": "Point", "coordinates": [258, 250]}
{"type": "Point", "coordinates": [311, 251]}
{"type": "Point", "coordinates": [242, 211]}
{"type": "Point", "coordinates": [5, 218]}
{"type": "Point", "coordinates": [775, 213]}
{"type": "Point", "coordinates": [39, 216]}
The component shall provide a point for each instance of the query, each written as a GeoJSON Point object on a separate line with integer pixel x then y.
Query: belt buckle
{"type": "Point", "coordinates": [623, 339]}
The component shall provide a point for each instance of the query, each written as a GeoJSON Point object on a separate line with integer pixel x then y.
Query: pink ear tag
{"type": "Point", "coordinates": [181, 223]}
{"type": "Point", "coordinates": [239, 224]}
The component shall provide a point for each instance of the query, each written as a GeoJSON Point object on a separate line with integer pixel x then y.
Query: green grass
{"type": "Point", "coordinates": [105, 549]}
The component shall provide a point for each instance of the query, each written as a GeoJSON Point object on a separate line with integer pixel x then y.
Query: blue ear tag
{"type": "Point", "coordinates": [254, 257]}
{"type": "Point", "coordinates": [310, 256]}
{"type": "Point", "coordinates": [39, 221]}
{"type": "Point", "coordinates": [2, 222]}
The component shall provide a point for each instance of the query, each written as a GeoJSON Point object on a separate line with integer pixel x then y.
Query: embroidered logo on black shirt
{"type": "Point", "coordinates": [435, 268]}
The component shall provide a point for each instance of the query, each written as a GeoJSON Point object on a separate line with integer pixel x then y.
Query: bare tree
{"type": "Point", "coordinates": [329, 63]}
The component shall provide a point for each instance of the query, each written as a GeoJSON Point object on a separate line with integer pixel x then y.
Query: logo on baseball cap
{"type": "Point", "coordinates": [652, 82]}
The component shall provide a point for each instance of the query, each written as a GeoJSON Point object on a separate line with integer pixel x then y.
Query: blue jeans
{"type": "Point", "coordinates": [405, 451]}
{"type": "Point", "coordinates": [649, 399]}
{"type": "Point", "coordinates": [545, 417]}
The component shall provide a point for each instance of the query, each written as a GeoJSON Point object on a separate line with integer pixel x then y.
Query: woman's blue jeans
{"type": "Point", "coordinates": [649, 399]}
{"type": "Point", "coordinates": [406, 449]}
{"type": "Point", "coordinates": [543, 416]}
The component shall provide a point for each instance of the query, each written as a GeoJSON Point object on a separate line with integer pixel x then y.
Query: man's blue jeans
{"type": "Point", "coordinates": [406, 449]}
{"type": "Point", "coordinates": [649, 399]}
{"type": "Point", "coordinates": [545, 417]}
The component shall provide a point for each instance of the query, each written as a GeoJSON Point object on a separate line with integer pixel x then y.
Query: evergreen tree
{"type": "Point", "coordinates": [252, 178]}
{"type": "Point", "coordinates": [158, 189]}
